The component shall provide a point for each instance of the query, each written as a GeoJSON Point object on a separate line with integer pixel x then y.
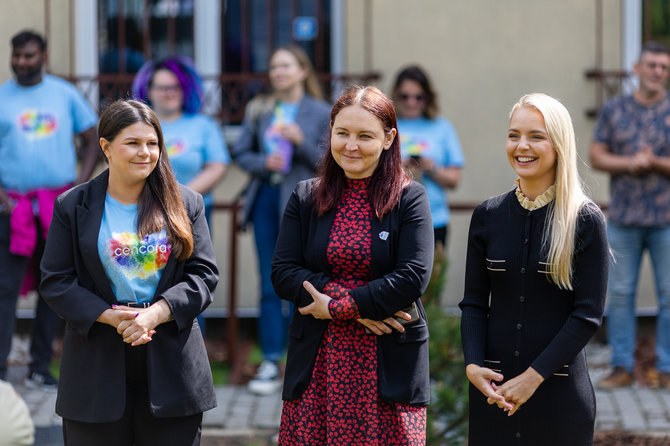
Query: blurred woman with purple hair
{"type": "Point", "coordinates": [194, 143]}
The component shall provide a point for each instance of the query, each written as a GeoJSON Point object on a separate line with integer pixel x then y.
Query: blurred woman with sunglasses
{"type": "Point", "coordinates": [428, 143]}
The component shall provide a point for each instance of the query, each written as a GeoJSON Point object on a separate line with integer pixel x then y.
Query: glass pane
{"type": "Point", "coordinates": [232, 37]}
{"type": "Point", "coordinates": [170, 31]}
{"type": "Point", "coordinates": [656, 21]}
{"type": "Point", "coordinates": [120, 55]}
{"type": "Point", "coordinates": [171, 26]}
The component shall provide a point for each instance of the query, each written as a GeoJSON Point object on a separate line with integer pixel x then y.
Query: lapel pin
{"type": "Point", "coordinates": [383, 235]}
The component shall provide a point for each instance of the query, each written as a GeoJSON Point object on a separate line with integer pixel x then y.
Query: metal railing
{"type": "Point", "coordinates": [225, 95]}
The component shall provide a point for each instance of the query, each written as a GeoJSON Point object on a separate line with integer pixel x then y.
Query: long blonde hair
{"type": "Point", "coordinates": [559, 230]}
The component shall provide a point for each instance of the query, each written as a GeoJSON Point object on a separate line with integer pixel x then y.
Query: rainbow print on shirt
{"type": "Point", "coordinates": [139, 258]}
{"type": "Point", "coordinates": [412, 146]}
{"type": "Point", "coordinates": [36, 124]}
{"type": "Point", "coordinates": [175, 147]}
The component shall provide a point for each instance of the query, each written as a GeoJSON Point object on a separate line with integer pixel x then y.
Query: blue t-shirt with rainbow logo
{"type": "Point", "coordinates": [191, 142]}
{"type": "Point", "coordinates": [133, 265]}
{"type": "Point", "coordinates": [435, 139]}
{"type": "Point", "coordinates": [37, 128]}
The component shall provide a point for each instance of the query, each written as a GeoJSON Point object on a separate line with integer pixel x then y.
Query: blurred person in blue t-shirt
{"type": "Point", "coordinates": [194, 142]}
{"type": "Point", "coordinates": [428, 143]}
{"type": "Point", "coordinates": [39, 118]}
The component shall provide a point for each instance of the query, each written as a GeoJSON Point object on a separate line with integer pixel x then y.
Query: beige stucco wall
{"type": "Point", "coordinates": [482, 55]}
{"type": "Point", "coordinates": [17, 15]}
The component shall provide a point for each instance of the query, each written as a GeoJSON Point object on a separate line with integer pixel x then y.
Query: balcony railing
{"type": "Point", "coordinates": [226, 95]}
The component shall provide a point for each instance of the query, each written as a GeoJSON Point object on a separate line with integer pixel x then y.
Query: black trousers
{"type": "Point", "coordinates": [441, 234]}
{"type": "Point", "coordinates": [46, 322]}
{"type": "Point", "coordinates": [137, 426]}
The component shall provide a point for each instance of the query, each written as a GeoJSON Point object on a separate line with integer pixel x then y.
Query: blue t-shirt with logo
{"type": "Point", "coordinates": [133, 265]}
{"type": "Point", "coordinates": [437, 140]}
{"type": "Point", "coordinates": [37, 128]}
{"type": "Point", "coordinates": [191, 142]}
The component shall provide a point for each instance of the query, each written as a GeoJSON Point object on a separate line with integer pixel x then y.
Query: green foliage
{"type": "Point", "coordinates": [220, 372]}
{"type": "Point", "coordinates": [448, 409]}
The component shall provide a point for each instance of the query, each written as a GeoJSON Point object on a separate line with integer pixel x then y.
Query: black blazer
{"type": "Point", "coordinates": [402, 259]}
{"type": "Point", "coordinates": [92, 379]}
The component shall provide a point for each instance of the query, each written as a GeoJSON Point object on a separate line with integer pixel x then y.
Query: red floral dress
{"type": "Point", "coordinates": [341, 405]}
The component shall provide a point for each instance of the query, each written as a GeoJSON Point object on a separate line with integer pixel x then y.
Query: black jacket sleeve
{"type": "Point", "coordinates": [289, 265]}
{"type": "Point", "coordinates": [590, 270]}
{"type": "Point", "coordinates": [413, 253]}
{"type": "Point", "coordinates": [193, 293]}
{"type": "Point", "coordinates": [475, 303]}
{"type": "Point", "coordinates": [60, 285]}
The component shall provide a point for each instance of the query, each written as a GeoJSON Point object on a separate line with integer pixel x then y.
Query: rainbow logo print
{"type": "Point", "coordinates": [175, 147]}
{"type": "Point", "coordinates": [139, 259]}
{"type": "Point", "coordinates": [412, 147]}
{"type": "Point", "coordinates": [36, 124]}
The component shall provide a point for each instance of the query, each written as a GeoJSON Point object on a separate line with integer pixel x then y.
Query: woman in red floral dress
{"type": "Point", "coordinates": [354, 255]}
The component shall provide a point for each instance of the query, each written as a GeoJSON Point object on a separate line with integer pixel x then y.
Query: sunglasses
{"type": "Point", "coordinates": [166, 88]}
{"type": "Point", "coordinates": [407, 97]}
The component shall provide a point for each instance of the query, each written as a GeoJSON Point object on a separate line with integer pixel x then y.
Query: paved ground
{"type": "Point", "coordinates": [241, 414]}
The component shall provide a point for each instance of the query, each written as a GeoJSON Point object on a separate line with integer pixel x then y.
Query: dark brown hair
{"type": "Point", "coordinates": [416, 74]}
{"type": "Point", "coordinates": [387, 181]}
{"type": "Point", "coordinates": [160, 205]}
{"type": "Point", "coordinates": [26, 36]}
{"type": "Point", "coordinates": [654, 47]}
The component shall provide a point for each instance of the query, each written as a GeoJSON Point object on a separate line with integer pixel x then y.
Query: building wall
{"type": "Point", "coordinates": [482, 55]}
{"type": "Point", "coordinates": [17, 15]}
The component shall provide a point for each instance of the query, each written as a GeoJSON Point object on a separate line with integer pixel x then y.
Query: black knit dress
{"type": "Point", "coordinates": [514, 317]}
{"type": "Point", "coordinates": [341, 405]}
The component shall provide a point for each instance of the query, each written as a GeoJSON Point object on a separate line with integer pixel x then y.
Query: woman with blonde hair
{"type": "Point", "coordinates": [536, 276]}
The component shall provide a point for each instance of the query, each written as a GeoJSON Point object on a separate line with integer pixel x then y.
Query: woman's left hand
{"type": "Point", "coordinates": [140, 330]}
{"type": "Point", "coordinates": [319, 308]}
{"type": "Point", "coordinates": [293, 133]}
{"type": "Point", "coordinates": [426, 164]}
{"type": "Point", "coordinates": [387, 325]}
{"type": "Point", "coordinates": [519, 389]}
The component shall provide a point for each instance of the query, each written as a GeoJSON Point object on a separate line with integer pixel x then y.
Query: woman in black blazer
{"type": "Point", "coordinates": [355, 249]}
{"type": "Point", "coordinates": [129, 265]}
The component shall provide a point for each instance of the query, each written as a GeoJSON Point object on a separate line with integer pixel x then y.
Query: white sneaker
{"type": "Point", "coordinates": [266, 380]}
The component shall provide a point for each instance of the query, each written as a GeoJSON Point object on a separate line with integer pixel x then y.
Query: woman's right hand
{"type": "Point", "coordinates": [484, 379]}
{"type": "Point", "coordinates": [6, 205]}
{"type": "Point", "coordinates": [117, 317]}
{"type": "Point", "coordinates": [274, 162]}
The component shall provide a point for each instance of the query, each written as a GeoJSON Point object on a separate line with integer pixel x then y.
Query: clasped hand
{"type": "Point", "coordinates": [136, 325]}
{"type": "Point", "coordinates": [319, 310]}
{"type": "Point", "coordinates": [509, 396]}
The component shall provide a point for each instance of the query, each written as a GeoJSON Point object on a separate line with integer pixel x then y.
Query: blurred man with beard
{"type": "Point", "coordinates": [39, 118]}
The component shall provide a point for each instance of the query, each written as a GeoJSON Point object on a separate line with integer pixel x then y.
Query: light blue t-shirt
{"type": "Point", "coordinates": [133, 265]}
{"type": "Point", "coordinates": [37, 128]}
{"type": "Point", "coordinates": [191, 142]}
{"type": "Point", "coordinates": [435, 139]}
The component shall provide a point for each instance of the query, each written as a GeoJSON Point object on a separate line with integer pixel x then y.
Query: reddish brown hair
{"type": "Point", "coordinates": [387, 181]}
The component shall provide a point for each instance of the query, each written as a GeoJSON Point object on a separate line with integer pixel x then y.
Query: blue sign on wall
{"type": "Point", "coordinates": [305, 28]}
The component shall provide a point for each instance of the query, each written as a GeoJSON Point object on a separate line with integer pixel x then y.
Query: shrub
{"type": "Point", "coordinates": [448, 410]}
